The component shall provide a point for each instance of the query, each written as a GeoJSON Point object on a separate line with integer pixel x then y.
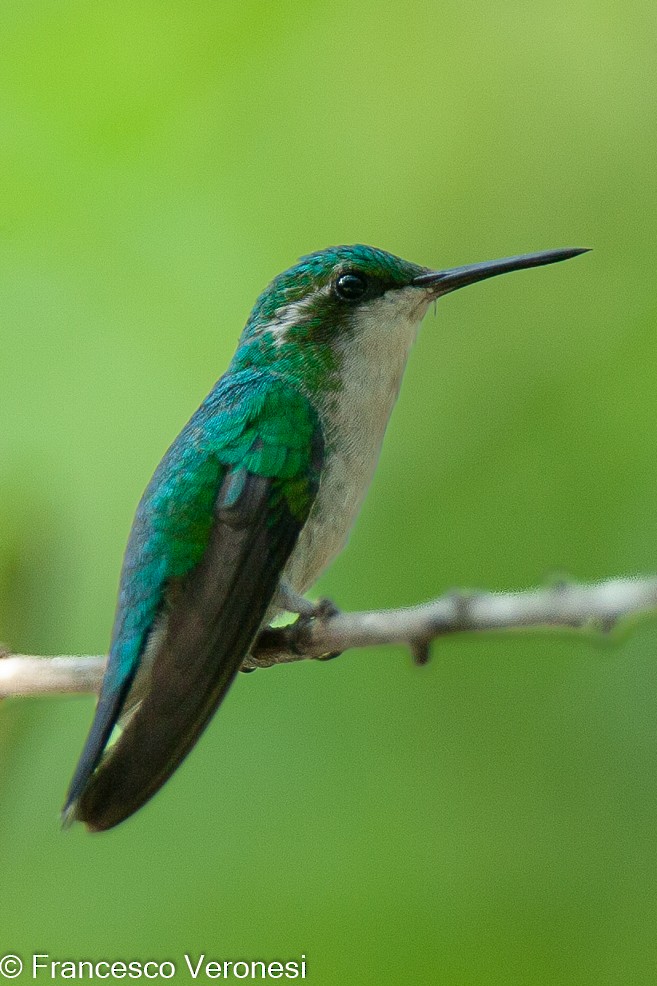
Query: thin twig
{"type": "Point", "coordinates": [567, 605]}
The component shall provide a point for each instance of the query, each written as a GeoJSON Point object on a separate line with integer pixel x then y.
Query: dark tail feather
{"type": "Point", "coordinates": [213, 616]}
{"type": "Point", "coordinates": [107, 712]}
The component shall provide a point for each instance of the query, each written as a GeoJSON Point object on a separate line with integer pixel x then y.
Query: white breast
{"type": "Point", "coordinates": [355, 421]}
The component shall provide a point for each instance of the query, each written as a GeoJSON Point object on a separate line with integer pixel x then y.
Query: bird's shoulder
{"type": "Point", "coordinates": [255, 421]}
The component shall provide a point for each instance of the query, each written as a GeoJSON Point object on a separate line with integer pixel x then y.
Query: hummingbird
{"type": "Point", "coordinates": [254, 498]}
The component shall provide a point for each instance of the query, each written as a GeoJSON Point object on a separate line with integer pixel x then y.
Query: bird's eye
{"type": "Point", "coordinates": [351, 286]}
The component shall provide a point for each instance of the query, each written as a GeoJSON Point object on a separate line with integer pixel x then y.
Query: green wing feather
{"type": "Point", "coordinates": [210, 539]}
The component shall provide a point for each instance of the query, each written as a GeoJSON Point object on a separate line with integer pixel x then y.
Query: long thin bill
{"type": "Point", "coordinates": [443, 281]}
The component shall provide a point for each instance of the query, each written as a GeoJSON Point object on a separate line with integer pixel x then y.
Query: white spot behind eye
{"type": "Point", "coordinates": [289, 315]}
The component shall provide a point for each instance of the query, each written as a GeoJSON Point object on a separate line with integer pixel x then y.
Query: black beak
{"type": "Point", "coordinates": [443, 281]}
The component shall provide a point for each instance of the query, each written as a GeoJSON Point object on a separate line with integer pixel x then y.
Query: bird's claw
{"type": "Point", "coordinates": [323, 609]}
{"type": "Point", "coordinates": [329, 657]}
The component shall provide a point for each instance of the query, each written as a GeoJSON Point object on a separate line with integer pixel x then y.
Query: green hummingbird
{"type": "Point", "coordinates": [257, 494]}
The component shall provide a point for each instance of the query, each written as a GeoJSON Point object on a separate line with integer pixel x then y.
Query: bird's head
{"type": "Point", "coordinates": [345, 293]}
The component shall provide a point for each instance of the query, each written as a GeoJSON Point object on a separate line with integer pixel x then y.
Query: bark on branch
{"type": "Point", "coordinates": [596, 607]}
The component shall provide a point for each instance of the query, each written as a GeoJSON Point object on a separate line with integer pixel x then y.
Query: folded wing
{"type": "Point", "coordinates": [208, 615]}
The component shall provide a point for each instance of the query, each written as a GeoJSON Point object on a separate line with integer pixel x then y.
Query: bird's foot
{"type": "Point", "coordinates": [290, 635]}
{"type": "Point", "coordinates": [321, 610]}
{"type": "Point", "coordinates": [292, 602]}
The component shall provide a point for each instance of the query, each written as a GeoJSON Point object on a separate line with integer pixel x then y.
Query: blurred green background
{"type": "Point", "coordinates": [491, 818]}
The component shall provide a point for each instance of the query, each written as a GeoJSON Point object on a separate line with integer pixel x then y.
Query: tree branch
{"type": "Point", "coordinates": [566, 605]}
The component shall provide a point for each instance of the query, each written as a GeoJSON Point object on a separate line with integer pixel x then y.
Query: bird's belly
{"type": "Point", "coordinates": [327, 529]}
{"type": "Point", "coordinates": [346, 476]}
